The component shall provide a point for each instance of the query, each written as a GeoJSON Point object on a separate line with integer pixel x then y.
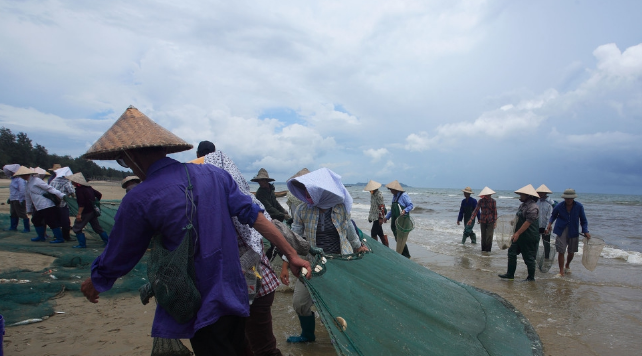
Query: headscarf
{"type": "Point", "coordinates": [325, 189]}
{"type": "Point", "coordinates": [63, 172]}
{"type": "Point", "coordinates": [10, 169]}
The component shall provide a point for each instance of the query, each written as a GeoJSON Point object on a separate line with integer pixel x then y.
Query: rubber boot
{"type": "Point", "coordinates": [82, 241]}
{"type": "Point", "coordinates": [463, 239]}
{"type": "Point", "coordinates": [57, 232]}
{"type": "Point", "coordinates": [65, 233]}
{"type": "Point", "coordinates": [307, 330]}
{"type": "Point", "coordinates": [25, 223]}
{"type": "Point", "coordinates": [384, 240]}
{"type": "Point", "coordinates": [406, 252]}
{"type": "Point", "coordinates": [40, 230]}
{"type": "Point", "coordinates": [14, 225]}
{"type": "Point", "coordinates": [105, 237]}
{"type": "Point", "coordinates": [473, 238]}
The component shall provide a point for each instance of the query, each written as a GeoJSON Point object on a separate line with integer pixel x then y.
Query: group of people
{"type": "Point", "coordinates": [534, 220]}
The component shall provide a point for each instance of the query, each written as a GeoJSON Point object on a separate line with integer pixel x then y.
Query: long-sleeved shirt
{"type": "Point", "coordinates": [545, 210]}
{"type": "Point", "coordinates": [33, 196]}
{"type": "Point", "coordinates": [159, 204]}
{"type": "Point", "coordinates": [488, 208]}
{"type": "Point", "coordinates": [17, 189]}
{"type": "Point", "coordinates": [268, 199]}
{"type": "Point", "coordinates": [404, 200]}
{"type": "Point", "coordinates": [377, 206]}
{"type": "Point", "coordinates": [470, 203]}
{"type": "Point", "coordinates": [64, 186]}
{"type": "Point", "coordinates": [86, 197]}
{"type": "Point", "coordinates": [572, 220]}
{"type": "Point", "coordinates": [306, 219]}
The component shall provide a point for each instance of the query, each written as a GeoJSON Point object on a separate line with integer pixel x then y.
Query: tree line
{"type": "Point", "coordinates": [19, 149]}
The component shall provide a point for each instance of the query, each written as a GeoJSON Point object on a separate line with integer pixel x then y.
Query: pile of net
{"type": "Point", "coordinates": [385, 304]}
{"type": "Point", "coordinates": [28, 295]}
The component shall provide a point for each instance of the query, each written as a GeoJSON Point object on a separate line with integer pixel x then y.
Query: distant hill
{"type": "Point", "coordinates": [361, 183]}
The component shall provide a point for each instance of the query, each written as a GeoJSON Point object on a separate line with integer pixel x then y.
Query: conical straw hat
{"type": "Point", "coordinates": [39, 170]}
{"type": "Point", "coordinates": [543, 189]}
{"type": "Point", "coordinates": [372, 185]}
{"type": "Point", "coordinates": [302, 172]}
{"type": "Point", "coordinates": [23, 171]}
{"type": "Point", "coordinates": [263, 174]}
{"type": "Point", "coordinates": [467, 190]}
{"type": "Point", "coordinates": [55, 166]}
{"type": "Point", "coordinates": [78, 178]}
{"type": "Point", "coordinates": [486, 191]}
{"type": "Point", "coordinates": [134, 130]}
{"type": "Point", "coordinates": [529, 190]}
{"type": "Point", "coordinates": [395, 185]}
{"type": "Point", "coordinates": [129, 179]}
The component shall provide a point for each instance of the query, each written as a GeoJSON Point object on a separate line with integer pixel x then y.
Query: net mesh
{"type": "Point", "coordinates": [405, 224]}
{"type": "Point", "coordinates": [591, 252]}
{"type": "Point", "coordinates": [505, 230]}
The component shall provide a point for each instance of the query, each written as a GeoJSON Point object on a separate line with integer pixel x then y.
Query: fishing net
{"type": "Point", "coordinates": [544, 263]}
{"type": "Point", "coordinates": [505, 230]}
{"type": "Point", "coordinates": [381, 303]}
{"type": "Point", "coordinates": [405, 223]}
{"type": "Point", "coordinates": [29, 294]}
{"type": "Point", "coordinates": [108, 209]}
{"type": "Point", "coordinates": [591, 252]}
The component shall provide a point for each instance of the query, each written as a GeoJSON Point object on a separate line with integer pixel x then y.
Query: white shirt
{"type": "Point", "coordinates": [33, 195]}
{"type": "Point", "coordinates": [545, 211]}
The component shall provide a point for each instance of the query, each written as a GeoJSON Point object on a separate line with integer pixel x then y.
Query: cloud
{"type": "Point", "coordinates": [376, 154]}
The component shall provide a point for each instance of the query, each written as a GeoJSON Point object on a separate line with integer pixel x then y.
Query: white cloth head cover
{"type": "Point", "coordinates": [325, 189]}
{"type": "Point", "coordinates": [63, 172]}
{"type": "Point", "coordinates": [10, 169]}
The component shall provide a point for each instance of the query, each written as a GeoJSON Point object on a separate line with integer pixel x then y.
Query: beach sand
{"type": "Point", "coordinates": [120, 325]}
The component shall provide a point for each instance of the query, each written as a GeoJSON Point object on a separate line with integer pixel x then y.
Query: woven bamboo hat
{"type": "Point", "coordinates": [395, 185]}
{"type": "Point", "coordinates": [24, 171]}
{"type": "Point", "coordinates": [467, 190]}
{"type": "Point", "coordinates": [39, 170]}
{"type": "Point", "coordinates": [372, 185]}
{"type": "Point", "coordinates": [134, 130]}
{"type": "Point", "coordinates": [78, 178]}
{"type": "Point", "coordinates": [55, 166]}
{"type": "Point", "coordinates": [129, 179]}
{"type": "Point", "coordinates": [263, 174]}
{"type": "Point", "coordinates": [569, 193]}
{"type": "Point", "coordinates": [528, 190]}
{"type": "Point", "coordinates": [486, 191]}
{"type": "Point", "coordinates": [302, 172]}
{"type": "Point", "coordinates": [543, 189]}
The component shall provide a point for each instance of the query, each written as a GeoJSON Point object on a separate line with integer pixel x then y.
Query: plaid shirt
{"type": "Point", "coordinates": [64, 186]}
{"type": "Point", "coordinates": [270, 282]}
{"type": "Point", "coordinates": [306, 219]}
{"type": "Point", "coordinates": [488, 211]}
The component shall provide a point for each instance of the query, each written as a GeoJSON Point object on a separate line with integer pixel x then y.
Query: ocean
{"type": "Point", "coordinates": [583, 313]}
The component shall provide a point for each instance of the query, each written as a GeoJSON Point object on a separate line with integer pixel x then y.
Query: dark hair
{"type": "Point", "coordinates": [534, 199]}
{"type": "Point", "coordinates": [204, 148]}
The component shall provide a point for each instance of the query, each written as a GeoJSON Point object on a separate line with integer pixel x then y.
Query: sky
{"type": "Point", "coordinates": [436, 94]}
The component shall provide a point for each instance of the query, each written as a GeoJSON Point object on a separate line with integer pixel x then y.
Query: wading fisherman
{"type": "Point", "coordinates": [377, 211]}
{"type": "Point", "coordinates": [525, 240]}
{"type": "Point", "coordinates": [401, 205]}
{"type": "Point", "coordinates": [488, 218]}
{"type": "Point", "coordinates": [466, 209]}
{"type": "Point", "coordinates": [160, 204]}
{"type": "Point", "coordinates": [545, 206]}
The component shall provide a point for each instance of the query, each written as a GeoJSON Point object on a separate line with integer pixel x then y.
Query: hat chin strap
{"type": "Point", "coordinates": [142, 173]}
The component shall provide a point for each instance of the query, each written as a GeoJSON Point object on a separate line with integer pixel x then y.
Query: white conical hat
{"type": "Point", "coordinates": [372, 185]}
{"type": "Point", "coordinates": [23, 171]}
{"type": "Point", "coordinates": [41, 171]}
{"type": "Point", "coordinates": [78, 178]}
{"type": "Point", "coordinates": [543, 189]}
{"type": "Point", "coordinates": [486, 191]}
{"type": "Point", "coordinates": [395, 185]}
{"type": "Point", "coordinates": [528, 189]}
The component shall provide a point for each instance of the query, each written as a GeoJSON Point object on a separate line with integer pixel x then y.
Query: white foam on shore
{"type": "Point", "coordinates": [628, 256]}
{"type": "Point", "coordinates": [503, 197]}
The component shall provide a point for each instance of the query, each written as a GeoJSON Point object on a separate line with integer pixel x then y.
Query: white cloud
{"type": "Point", "coordinates": [376, 154]}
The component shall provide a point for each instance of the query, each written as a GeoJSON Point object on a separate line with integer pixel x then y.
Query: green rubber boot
{"type": "Point", "coordinates": [307, 330]}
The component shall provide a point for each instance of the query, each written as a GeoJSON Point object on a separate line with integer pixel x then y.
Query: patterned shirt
{"type": "Point", "coordinates": [488, 211]}
{"type": "Point", "coordinates": [377, 206]}
{"type": "Point", "coordinates": [65, 187]}
{"type": "Point", "coordinates": [306, 219]}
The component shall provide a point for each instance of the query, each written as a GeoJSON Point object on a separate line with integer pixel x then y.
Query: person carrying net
{"type": "Point", "coordinates": [401, 205]}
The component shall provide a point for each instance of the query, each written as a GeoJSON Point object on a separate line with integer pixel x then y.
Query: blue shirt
{"type": "Point", "coordinates": [470, 202]}
{"type": "Point", "coordinates": [403, 200]}
{"type": "Point", "coordinates": [158, 204]}
{"type": "Point", "coordinates": [563, 219]}
{"type": "Point", "coordinates": [17, 189]}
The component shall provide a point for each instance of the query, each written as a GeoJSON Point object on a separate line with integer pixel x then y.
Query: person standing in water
{"type": "Point", "coordinates": [526, 237]}
{"type": "Point", "coordinates": [488, 218]}
{"type": "Point", "coordinates": [545, 206]}
{"type": "Point", "coordinates": [568, 217]}
{"type": "Point", "coordinates": [401, 205]}
{"type": "Point", "coordinates": [468, 204]}
{"type": "Point", "coordinates": [377, 211]}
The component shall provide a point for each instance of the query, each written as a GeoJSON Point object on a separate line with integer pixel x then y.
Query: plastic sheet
{"type": "Point", "coordinates": [591, 252]}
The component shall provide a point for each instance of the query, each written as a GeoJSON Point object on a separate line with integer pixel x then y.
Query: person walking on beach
{"type": "Point", "coordinates": [17, 205]}
{"type": "Point", "coordinates": [45, 212]}
{"type": "Point", "coordinates": [488, 218]}
{"type": "Point", "coordinates": [568, 217]}
{"type": "Point", "coordinates": [377, 211]}
{"type": "Point", "coordinates": [87, 214]}
{"type": "Point", "coordinates": [468, 205]}
{"type": "Point", "coordinates": [401, 205]}
{"type": "Point", "coordinates": [324, 221]}
{"type": "Point", "coordinates": [545, 206]}
{"type": "Point", "coordinates": [165, 202]}
{"type": "Point", "coordinates": [65, 186]}
{"type": "Point", "coordinates": [526, 237]}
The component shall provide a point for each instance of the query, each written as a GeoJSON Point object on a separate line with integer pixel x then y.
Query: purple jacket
{"type": "Point", "coordinates": [159, 204]}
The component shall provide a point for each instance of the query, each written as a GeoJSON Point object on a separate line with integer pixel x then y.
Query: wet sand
{"type": "Point", "coordinates": [586, 313]}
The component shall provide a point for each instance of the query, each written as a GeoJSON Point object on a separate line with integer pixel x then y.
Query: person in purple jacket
{"type": "Point", "coordinates": [158, 204]}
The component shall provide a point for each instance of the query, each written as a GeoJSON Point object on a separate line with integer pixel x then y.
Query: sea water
{"type": "Point", "coordinates": [583, 313]}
